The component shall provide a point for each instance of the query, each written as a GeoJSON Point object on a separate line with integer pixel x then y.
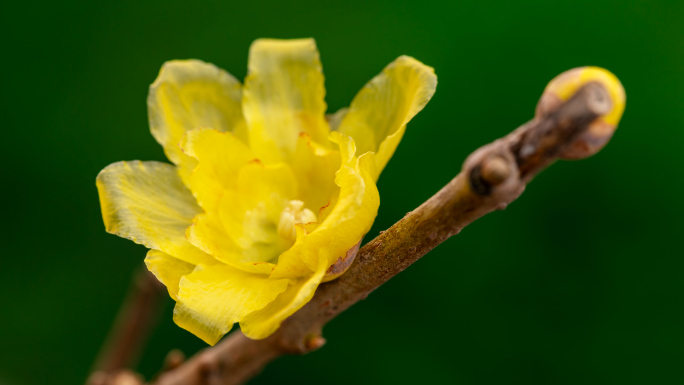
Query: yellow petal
{"type": "Point", "coordinates": [147, 203]}
{"type": "Point", "coordinates": [352, 217]}
{"type": "Point", "coordinates": [251, 213]}
{"type": "Point", "coordinates": [379, 112]}
{"type": "Point", "coordinates": [258, 183]}
{"type": "Point", "coordinates": [209, 235]}
{"type": "Point", "coordinates": [262, 323]}
{"type": "Point", "coordinates": [167, 269]}
{"type": "Point", "coordinates": [296, 261]}
{"type": "Point", "coordinates": [242, 231]}
{"type": "Point", "coordinates": [221, 156]}
{"type": "Point", "coordinates": [283, 96]}
{"type": "Point", "coordinates": [314, 168]}
{"type": "Point", "coordinates": [190, 94]}
{"type": "Point", "coordinates": [211, 299]}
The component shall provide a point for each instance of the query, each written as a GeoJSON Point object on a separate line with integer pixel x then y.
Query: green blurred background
{"type": "Point", "coordinates": [579, 281]}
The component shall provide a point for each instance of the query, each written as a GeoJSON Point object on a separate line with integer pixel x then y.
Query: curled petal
{"type": "Point", "coordinates": [209, 234]}
{"type": "Point", "coordinates": [283, 96]}
{"type": "Point", "coordinates": [242, 231]}
{"type": "Point", "coordinates": [210, 300]}
{"type": "Point", "coordinates": [262, 323]}
{"type": "Point", "coordinates": [251, 213]}
{"type": "Point", "coordinates": [220, 157]}
{"type": "Point", "coordinates": [379, 113]}
{"type": "Point", "coordinates": [350, 219]}
{"type": "Point", "coordinates": [168, 270]}
{"type": "Point", "coordinates": [147, 203]}
{"type": "Point", "coordinates": [191, 94]}
{"type": "Point", "coordinates": [257, 183]}
{"type": "Point", "coordinates": [314, 168]}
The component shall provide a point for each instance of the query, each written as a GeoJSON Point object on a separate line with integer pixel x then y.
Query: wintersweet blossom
{"type": "Point", "coordinates": [264, 194]}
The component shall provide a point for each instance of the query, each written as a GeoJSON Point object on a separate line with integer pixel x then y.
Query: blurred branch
{"type": "Point", "coordinates": [128, 336]}
{"type": "Point", "coordinates": [491, 178]}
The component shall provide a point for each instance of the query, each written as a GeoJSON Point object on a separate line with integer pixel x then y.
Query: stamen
{"type": "Point", "coordinates": [292, 214]}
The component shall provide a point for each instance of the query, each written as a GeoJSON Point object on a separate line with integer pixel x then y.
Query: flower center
{"type": "Point", "coordinates": [293, 213]}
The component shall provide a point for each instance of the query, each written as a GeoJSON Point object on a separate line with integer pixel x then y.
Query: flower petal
{"type": "Point", "coordinates": [283, 96]}
{"type": "Point", "coordinates": [211, 299]}
{"type": "Point", "coordinates": [258, 183]}
{"type": "Point", "coordinates": [220, 156]}
{"type": "Point", "coordinates": [209, 234]}
{"type": "Point", "coordinates": [380, 111]}
{"type": "Point", "coordinates": [251, 213]}
{"type": "Point", "coordinates": [190, 94]}
{"type": "Point", "coordinates": [147, 203]}
{"type": "Point", "coordinates": [243, 229]}
{"type": "Point", "coordinates": [262, 323]}
{"type": "Point", "coordinates": [314, 168]}
{"type": "Point", "coordinates": [355, 210]}
{"type": "Point", "coordinates": [167, 269]}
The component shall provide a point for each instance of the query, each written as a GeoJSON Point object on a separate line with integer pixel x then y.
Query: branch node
{"type": "Point", "coordinates": [495, 170]}
{"type": "Point", "coordinates": [314, 342]}
{"type": "Point", "coordinates": [173, 360]}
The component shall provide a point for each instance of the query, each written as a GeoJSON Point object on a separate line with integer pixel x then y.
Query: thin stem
{"type": "Point", "coordinates": [136, 318]}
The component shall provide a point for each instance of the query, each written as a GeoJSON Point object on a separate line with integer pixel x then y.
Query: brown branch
{"type": "Point", "coordinates": [491, 178]}
{"type": "Point", "coordinates": [136, 318]}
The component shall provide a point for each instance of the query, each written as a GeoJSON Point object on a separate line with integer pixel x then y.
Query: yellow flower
{"type": "Point", "coordinates": [265, 194]}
